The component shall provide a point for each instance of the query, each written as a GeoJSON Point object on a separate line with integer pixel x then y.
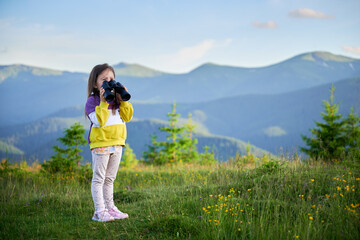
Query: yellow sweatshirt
{"type": "Point", "coordinates": [107, 129]}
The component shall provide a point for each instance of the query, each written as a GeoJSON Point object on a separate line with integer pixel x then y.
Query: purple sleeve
{"type": "Point", "coordinates": [91, 103]}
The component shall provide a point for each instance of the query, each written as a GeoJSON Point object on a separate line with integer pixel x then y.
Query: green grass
{"type": "Point", "coordinates": [273, 201]}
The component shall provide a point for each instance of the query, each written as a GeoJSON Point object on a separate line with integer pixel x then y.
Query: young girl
{"type": "Point", "coordinates": [106, 139]}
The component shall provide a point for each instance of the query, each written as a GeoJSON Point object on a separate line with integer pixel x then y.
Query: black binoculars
{"type": "Point", "coordinates": [119, 88]}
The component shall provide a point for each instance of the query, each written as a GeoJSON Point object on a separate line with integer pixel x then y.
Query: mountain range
{"type": "Point", "coordinates": [270, 107]}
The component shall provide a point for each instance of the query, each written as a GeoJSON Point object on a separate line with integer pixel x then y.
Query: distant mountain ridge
{"type": "Point", "coordinates": [42, 91]}
{"type": "Point", "coordinates": [269, 121]}
{"type": "Point", "coordinates": [268, 106]}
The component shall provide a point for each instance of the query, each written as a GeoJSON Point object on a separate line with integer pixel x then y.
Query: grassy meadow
{"type": "Point", "coordinates": [264, 200]}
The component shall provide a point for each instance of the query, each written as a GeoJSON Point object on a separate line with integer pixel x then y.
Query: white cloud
{"type": "Point", "coordinates": [193, 53]}
{"type": "Point", "coordinates": [309, 13]}
{"type": "Point", "coordinates": [267, 25]}
{"type": "Point", "coordinates": [186, 56]}
{"type": "Point", "coordinates": [353, 50]}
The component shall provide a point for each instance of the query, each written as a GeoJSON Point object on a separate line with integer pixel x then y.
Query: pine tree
{"type": "Point", "coordinates": [65, 160]}
{"type": "Point", "coordinates": [153, 154]}
{"type": "Point", "coordinates": [188, 142]}
{"type": "Point", "coordinates": [328, 141]}
{"type": "Point", "coordinates": [171, 147]}
{"type": "Point", "coordinates": [352, 133]}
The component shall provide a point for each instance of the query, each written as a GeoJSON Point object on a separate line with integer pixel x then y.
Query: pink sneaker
{"type": "Point", "coordinates": [114, 212]}
{"type": "Point", "coordinates": [103, 216]}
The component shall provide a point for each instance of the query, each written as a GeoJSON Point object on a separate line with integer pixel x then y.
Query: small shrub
{"type": "Point", "coordinates": [128, 158]}
{"type": "Point", "coordinates": [207, 158]}
{"type": "Point", "coordinates": [271, 166]}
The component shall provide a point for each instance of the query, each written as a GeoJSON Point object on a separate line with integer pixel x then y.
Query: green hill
{"type": "Point", "coordinates": [135, 70]}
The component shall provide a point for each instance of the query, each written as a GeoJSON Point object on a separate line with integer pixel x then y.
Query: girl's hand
{"type": "Point", "coordinates": [118, 97]}
{"type": "Point", "coordinates": [102, 98]}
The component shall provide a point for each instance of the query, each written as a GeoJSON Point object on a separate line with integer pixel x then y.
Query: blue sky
{"type": "Point", "coordinates": [174, 36]}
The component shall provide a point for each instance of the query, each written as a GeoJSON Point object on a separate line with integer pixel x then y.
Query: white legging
{"type": "Point", "coordinates": [105, 167]}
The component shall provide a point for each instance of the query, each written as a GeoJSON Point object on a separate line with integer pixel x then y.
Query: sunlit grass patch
{"type": "Point", "coordinates": [273, 201]}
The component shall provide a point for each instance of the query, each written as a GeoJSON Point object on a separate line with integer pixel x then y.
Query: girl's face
{"type": "Point", "coordinates": [106, 75]}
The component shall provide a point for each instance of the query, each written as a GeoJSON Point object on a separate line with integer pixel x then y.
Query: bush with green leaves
{"type": "Point", "coordinates": [207, 157]}
{"type": "Point", "coordinates": [272, 166]}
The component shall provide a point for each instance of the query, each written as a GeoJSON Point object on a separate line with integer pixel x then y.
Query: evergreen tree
{"type": "Point", "coordinates": [188, 143]}
{"type": "Point", "coordinates": [171, 147]}
{"type": "Point", "coordinates": [128, 158]}
{"type": "Point", "coordinates": [180, 144]}
{"type": "Point", "coordinates": [65, 160]}
{"type": "Point", "coordinates": [153, 154]}
{"type": "Point", "coordinates": [352, 133]}
{"type": "Point", "coordinates": [328, 141]}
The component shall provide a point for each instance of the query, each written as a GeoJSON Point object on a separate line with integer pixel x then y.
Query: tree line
{"type": "Point", "coordinates": [334, 139]}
